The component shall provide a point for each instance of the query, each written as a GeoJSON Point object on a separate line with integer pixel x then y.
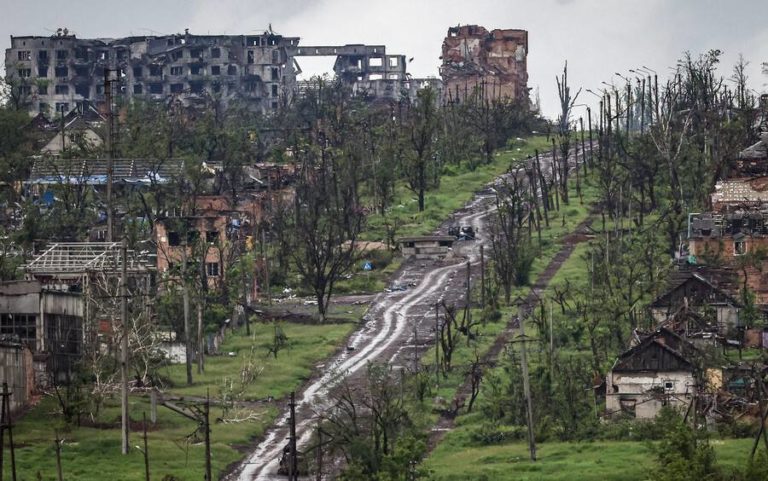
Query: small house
{"type": "Point", "coordinates": [657, 371]}
{"type": "Point", "coordinates": [426, 247]}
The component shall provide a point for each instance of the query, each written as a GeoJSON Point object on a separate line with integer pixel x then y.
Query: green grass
{"type": "Point", "coordinates": [93, 453]}
{"type": "Point", "coordinates": [307, 343]}
{"type": "Point", "coordinates": [454, 460]}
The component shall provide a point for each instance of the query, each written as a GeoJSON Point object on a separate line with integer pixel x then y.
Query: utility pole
{"type": "Point", "coordinates": [207, 427]}
{"type": "Point", "coordinates": [266, 266]}
{"type": "Point", "coordinates": [109, 82]}
{"type": "Point", "coordinates": [185, 302]}
{"type": "Point", "coordinates": [146, 451]}
{"type": "Point", "coordinates": [319, 459]}
{"type": "Point", "coordinates": [527, 386]}
{"type": "Point", "coordinates": [5, 425]}
{"type": "Point", "coordinates": [200, 345]}
{"type": "Point", "coordinates": [124, 344]}
{"type": "Point", "coordinates": [293, 474]}
{"type": "Point", "coordinates": [482, 278]}
{"type": "Point", "coordinates": [437, 342]}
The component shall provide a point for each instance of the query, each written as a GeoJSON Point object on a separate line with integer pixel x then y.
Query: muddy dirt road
{"type": "Point", "coordinates": [399, 328]}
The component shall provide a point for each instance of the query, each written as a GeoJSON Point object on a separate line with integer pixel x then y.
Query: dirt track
{"type": "Point", "coordinates": [398, 330]}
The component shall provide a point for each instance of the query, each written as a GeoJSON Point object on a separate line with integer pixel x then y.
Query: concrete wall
{"type": "Point", "coordinates": [628, 387]}
{"type": "Point", "coordinates": [16, 370]}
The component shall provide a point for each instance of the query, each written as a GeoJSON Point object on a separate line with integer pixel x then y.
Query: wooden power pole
{"type": "Point", "coordinates": [124, 345]}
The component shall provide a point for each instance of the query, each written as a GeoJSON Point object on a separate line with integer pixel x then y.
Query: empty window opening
{"type": "Point", "coordinates": [42, 89]}
{"type": "Point", "coordinates": [196, 87]}
{"type": "Point", "coordinates": [232, 70]}
{"type": "Point", "coordinates": [275, 73]}
{"type": "Point", "coordinates": [174, 239]}
{"type": "Point", "coordinates": [177, 70]}
{"type": "Point", "coordinates": [83, 90]}
{"type": "Point", "coordinates": [62, 107]}
{"type": "Point", "coordinates": [42, 55]}
{"type": "Point", "coordinates": [62, 71]}
{"type": "Point", "coordinates": [196, 70]}
{"type": "Point", "coordinates": [81, 71]}
{"type": "Point", "coordinates": [216, 53]}
{"type": "Point", "coordinates": [25, 72]}
{"type": "Point", "coordinates": [155, 88]}
{"type": "Point", "coordinates": [62, 90]}
{"type": "Point", "coordinates": [155, 70]}
{"type": "Point", "coordinates": [138, 72]}
{"type": "Point", "coordinates": [251, 56]}
{"type": "Point", "coordinates": [62, 54]}
{"type": "Point", "coordinates": [177, 88]}
{"type": "Point", "coordinates": [739, 248]}
{"type": "Point", "coordinates": [274, 90]}
{"type": "Point", "coordinates": [215, 70]}
{"type": "Point", "coordinates": [212, 236]}
{"type": "Point", "coordinates": [138, 89]}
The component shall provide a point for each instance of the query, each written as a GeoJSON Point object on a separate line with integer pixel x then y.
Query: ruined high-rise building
{"type": "Point", "coordinates": [54, 73]}
{"type": "Point", "coordinates": [493, 63]}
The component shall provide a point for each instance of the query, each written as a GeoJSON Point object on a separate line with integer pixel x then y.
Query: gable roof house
{"type": "Point", "coordinates": [659, 370]}
{"type": "Point", "coordinates": [700, 289]}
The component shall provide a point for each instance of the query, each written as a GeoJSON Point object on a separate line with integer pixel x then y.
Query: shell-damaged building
{"type": "Point", "coordinates": [495, 63]}
{"type": "Point", "coordinates": [51, 74]}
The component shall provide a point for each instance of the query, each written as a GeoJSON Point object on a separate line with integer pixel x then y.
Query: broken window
{"type": "Point", "coordinates": [192, 236]}
{"type": "Point", "coordinates": [375, 62]}
{"type": "Point", "coordinates": [276, 56]}
{"type": "Point", "coordinates": [83, 90]}
{"type": "Point", "coordinates": [25, 72]}
{"type": "Point", "coordinates": [232, 70]}
{"type": "Point", "coordinates": [21, 325]}
{"type": "Point", "coordinates": [275, 73]}
{"type": "Point", "coordinates": [62, 107]}
{"type": "Point", "coordinates": [251, 56]}
{"type": "Point", "coordinates": [138, 72]}
{"type": "Point", "coordinates": [274, 90]}
{"type": "Point", "coordinates": [628, 406]}
{"type": "Point", "coordinates": [196, 70]}
{"type": "Point", "coordinates": [25, 55]}
{"type": "Point", "coordinates": [138, 89]}
{"type": "Point", "coordinates": [392, 62]}
{"type": "Point", "coordinates": [24, 90]}
{"type": "Point", "coordinates": [62, 90]}
{"type": "Point", "coordinates": [215, 70]}
{"type": "Point", "coordinates": [739, 248]}
{"type": "Point", "coordinates": [155, 88]}
{"type": "Point", "coordinates": [176, 55]}
{"type": "Point", "coordinates": [212, 269]}
{"type": "Point", "coordinates": [43, 107]}
{"type": "Point", "coordinates": [196, 87]}
{"type": "Point", "coordinates": [274, 105]}
{"type": "Point", "coordinates": [62, 54]}
{"type": "Point", "coordinates": [177, 88]}
{"type": "Point", "coordinates": [42, 88]}
{"type": "Point", "coordinates": [196, 53]}
{"type": "Point", "coordinates": [174, 239]}
{"type": "Point", "coordinates": [212, 236]}
{"type": "Point", "coordinates": [155, 70]}
{"type": "Point", "coordinates": [61, 71]}
{"type": "Point", "coordinates": [42, 56]}
{"type": "Point", "coordinates": [81, 71]}
{"type": "Point", "coordinates": [177, 70]}
{"type": "Point", "coordinates": [216, 52]}
{"type": "Point", "coordinates": [81, 53]}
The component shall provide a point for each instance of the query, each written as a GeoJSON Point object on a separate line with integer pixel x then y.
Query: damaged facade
{"type": "Point", "coordinates": [657, 371]}
{"type": "Point", "coordinates": [494, 62]}
{"type": "Point", "coordinates": [54, 74]}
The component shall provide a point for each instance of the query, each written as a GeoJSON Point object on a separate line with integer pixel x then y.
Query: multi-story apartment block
{"type": "Point", "coordinates": [53, 74]}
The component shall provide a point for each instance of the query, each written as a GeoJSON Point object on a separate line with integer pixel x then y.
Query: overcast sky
{"type": "Point", "coordinates": [597, 37]}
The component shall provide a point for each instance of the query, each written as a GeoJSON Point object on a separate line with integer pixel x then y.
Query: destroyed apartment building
{"type": "Point", "coordinates": [55, 73]}
{"type": "Point", "coordinates": [493, 63]}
